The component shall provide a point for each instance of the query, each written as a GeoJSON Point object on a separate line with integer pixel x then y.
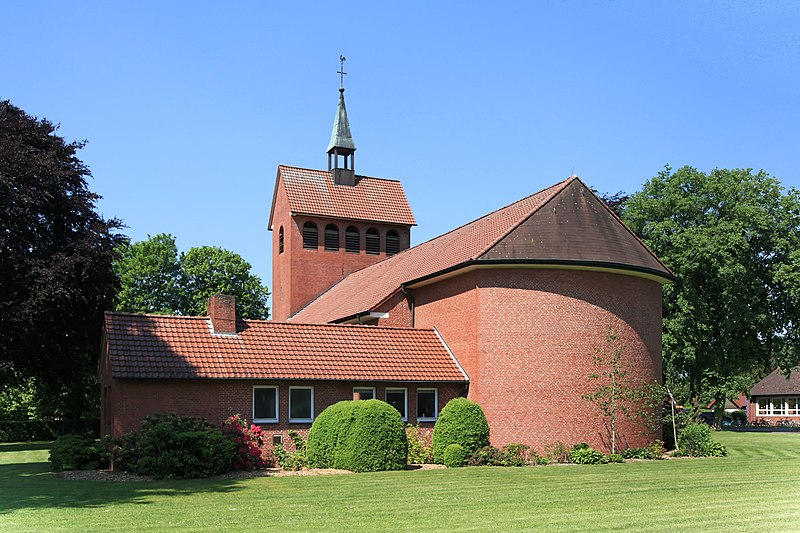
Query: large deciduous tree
{"type": "Point", "coordinates": [56, 256]}
{"type": "Point", "coordinates": [732, 239]}
{"type": "Point", "coordinates": [156, 279]}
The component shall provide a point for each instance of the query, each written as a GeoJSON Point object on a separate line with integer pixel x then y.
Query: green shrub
{"type": "Point", "coordinates": [358, 435]}
{"type": "Point", "coordinates": [695, 440]}
{"type": "Point", "coordinates": [420, 449]}
{"type": "Point", "coordinates": [125, 451]}
{"type": "Point", "coordinates": [557, 452]}
{"type": "Point", "coordinates": [454, 456]}
{"type": "Point", "coordinates": [636, 453]}
{"type": "Point", "coordinates": [296, 460]}
{"type": "Point", "coordinates": [514, 454]}
{"type": "Point", "coordinates": [582, 454]}
{"type": "Point", "coordinates": [655, 450]}
{"type": "Point", "coordinates": [485, 456]}
{"type": "Point", "coordinates": [75, 452]}
{"type": "Point", "coordinates": [461, 422]}
{"type": "Point", "coordinates": [616, 458]}
{"type": "Point", "coordinates": [173, 446]}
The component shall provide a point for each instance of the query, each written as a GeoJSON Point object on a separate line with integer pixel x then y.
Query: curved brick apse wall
{"type": "Point", "coordinates": [527, 338]}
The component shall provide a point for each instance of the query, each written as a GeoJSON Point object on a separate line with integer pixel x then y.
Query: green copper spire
{"type": "Point", "coordinates": [342, 141]}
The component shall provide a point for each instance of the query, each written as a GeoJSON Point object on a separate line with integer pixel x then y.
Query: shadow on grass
{"type": "Point", "coordinates": [31, 485]}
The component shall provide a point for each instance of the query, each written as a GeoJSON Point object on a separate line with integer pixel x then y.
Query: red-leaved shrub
{"type": "Point", "coordinates": [249, 442]}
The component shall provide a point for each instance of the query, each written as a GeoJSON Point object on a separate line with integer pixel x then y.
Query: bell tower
{"type": "Point", "coordinates": [342, 144]}
{"type": "Point", "coordinates": [329, 224]}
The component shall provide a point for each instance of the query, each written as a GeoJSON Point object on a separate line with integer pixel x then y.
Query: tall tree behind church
{"type": "Point", "coordinates": [732, 237]}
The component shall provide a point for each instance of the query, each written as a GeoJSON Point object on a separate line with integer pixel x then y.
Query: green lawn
{"type": "Point", "coordinates": [756, 488]}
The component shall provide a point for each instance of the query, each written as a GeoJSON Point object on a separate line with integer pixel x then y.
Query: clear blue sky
{"type": "Point", "coordinates": [189, 107]}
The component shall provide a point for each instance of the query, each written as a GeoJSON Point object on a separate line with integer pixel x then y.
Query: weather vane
{"type": "Point", "coordinates": [341, 71]}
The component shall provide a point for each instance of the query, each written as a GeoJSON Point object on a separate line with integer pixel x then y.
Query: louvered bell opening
{"type": "Point", "coordinates": [392, 243]}
{"type": "Point", "coordinates": [331, 238]}
{"type": "Point", "coordinates": [352, 240]}
{"type": "Point", "coordinates": [310, 237]}
{"type": "Point", "coordinates": [280, 240]}
{"type": "Point", "coordinates": [373, 242]}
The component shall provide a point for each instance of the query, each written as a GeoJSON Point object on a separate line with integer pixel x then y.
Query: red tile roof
{"type": "Point", "coordinates": [175, 347]}
{"type": "Point", "coordinates": [365, 289]}
{"type": "Point", "coordinates": [312, 192]}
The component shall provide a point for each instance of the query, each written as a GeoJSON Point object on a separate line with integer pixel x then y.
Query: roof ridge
{"type": "Point", "coordinates": [155, 315]}
{"type": "Point", "coordinates": [326, 172]}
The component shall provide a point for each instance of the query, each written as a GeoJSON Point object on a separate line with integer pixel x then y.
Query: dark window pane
{"type": "Point", "coordinates": [300, 403]}
{"type": "Point", "coordinates": [426, 404]}
{"type": "Point", "coordinates": [365, 393]}
{"type": "Point", "coordinates": [265, 403]}
{"type": "Point", "coordinates": [331, 238]}
{"type": "Point", "coordinates": [397, 399]}
{"type": "Point", "coordinates": [310, 238]}
{"type": "Point", "coordinates": [373, 242]}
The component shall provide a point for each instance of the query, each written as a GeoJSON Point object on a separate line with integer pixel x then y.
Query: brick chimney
{"type": "Point", "coordinates": [222, 311]}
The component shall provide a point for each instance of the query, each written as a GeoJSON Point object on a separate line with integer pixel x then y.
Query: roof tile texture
{"type": "Point", "coordinates": [365, 289]}
{"type": "Point", "coordinates": [172, 347]}
{"type": "Point", "coordinates": [776, 383]}
{"type": "Point", "coordinates": [312, 192]}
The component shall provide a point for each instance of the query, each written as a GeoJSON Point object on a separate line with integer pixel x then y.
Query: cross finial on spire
{"type": "Point", "coordinates": [341, 71]}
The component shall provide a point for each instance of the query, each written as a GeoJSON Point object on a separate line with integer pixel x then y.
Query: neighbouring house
{"type": "Point", "coordinates": [776, 399]}
{"type": "Point", "coordinates": [509, 310]}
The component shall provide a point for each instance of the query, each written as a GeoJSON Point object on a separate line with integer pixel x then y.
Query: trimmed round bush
{"type": "Point", "coordinates": [75, 452]}
{"type": "Point", "coordinates": [461, 422]}
{"type": "Point", "coordinates": [454, 456]}
{"type": "Point", "coordinates": [358, 435]}
{"type": "Point", "coordinates": [178, 447]}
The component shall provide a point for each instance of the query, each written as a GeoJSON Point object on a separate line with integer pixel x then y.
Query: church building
{"type": "Point", "coordinates": [509, 310]}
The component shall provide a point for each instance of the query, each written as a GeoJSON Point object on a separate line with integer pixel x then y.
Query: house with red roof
{"type": "Point", "coordinates": [509, 310]}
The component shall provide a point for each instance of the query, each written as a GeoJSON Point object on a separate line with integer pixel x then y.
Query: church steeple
{"type": "Point", "coordinates": [342, 140]}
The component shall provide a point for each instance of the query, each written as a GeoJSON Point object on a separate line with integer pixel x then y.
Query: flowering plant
{"type": "Point", "coordinates": [249, 442]}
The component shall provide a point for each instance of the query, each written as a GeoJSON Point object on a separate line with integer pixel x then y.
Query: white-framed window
{"type": "Point", "coordinates": [301, 404]}
{"type": "Point", "coordinates": [427, 405]}
{"type": "Point", "coordinates": [398, 398]}
{"type": "Point", "coordinates": [779, 406]}
{"type": "Point", "coordinates": [365, 393]}
{"type": "Point", "coordinates": [265, 404]}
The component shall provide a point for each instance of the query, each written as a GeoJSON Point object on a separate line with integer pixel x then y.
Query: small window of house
{"type": "Point", "coordinates": [792, 406]}
{"type": "Point", "coordinates": [301, 404]}
{"type": "Point", "coordinates": [352, 240]}
{"type": "Point", "coordinates": [427, 405]}
{"type": "Point", "coordinates": [365, 393]}
{"type": "Point", "coordinates": [763, 406]}
{"type": "Point", "coordinates": [280, 240]}
{"type": "Point", "coordinates": [373, 242]}
{"type": "Point", "coordinates": [392, 242]}
{"type": "Point", "coordinates": [397, 398]}
{"type": "Point", "coordinates": [310, 237]}
{"type": "Point", "coordinates": [778, 407]}
{"type": "Point", "coordinates": [331, 238]}
{"type": "Point", "coordinates": [265, 404]}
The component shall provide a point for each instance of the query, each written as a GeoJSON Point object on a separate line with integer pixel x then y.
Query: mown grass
{"type": "Point", "coordinates": [756, 488]}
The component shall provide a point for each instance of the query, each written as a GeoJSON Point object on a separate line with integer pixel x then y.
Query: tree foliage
{"type": "Point", "coordinates": [56, 256]}
{"type": "Point", "coordinates": [732, 239]}
{"type": "Point", "coordinates": [156, 279]}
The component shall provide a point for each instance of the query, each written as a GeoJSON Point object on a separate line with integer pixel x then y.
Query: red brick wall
{"type": "Point", "coordinates": [299, 275]}
{"type": "Point", "coordinates": [215, 400]}
{"type": "Point", "coordinates": [527, 338]}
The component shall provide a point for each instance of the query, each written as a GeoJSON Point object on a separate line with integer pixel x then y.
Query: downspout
{"type": "Point", "coordinates": [411, 305]}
